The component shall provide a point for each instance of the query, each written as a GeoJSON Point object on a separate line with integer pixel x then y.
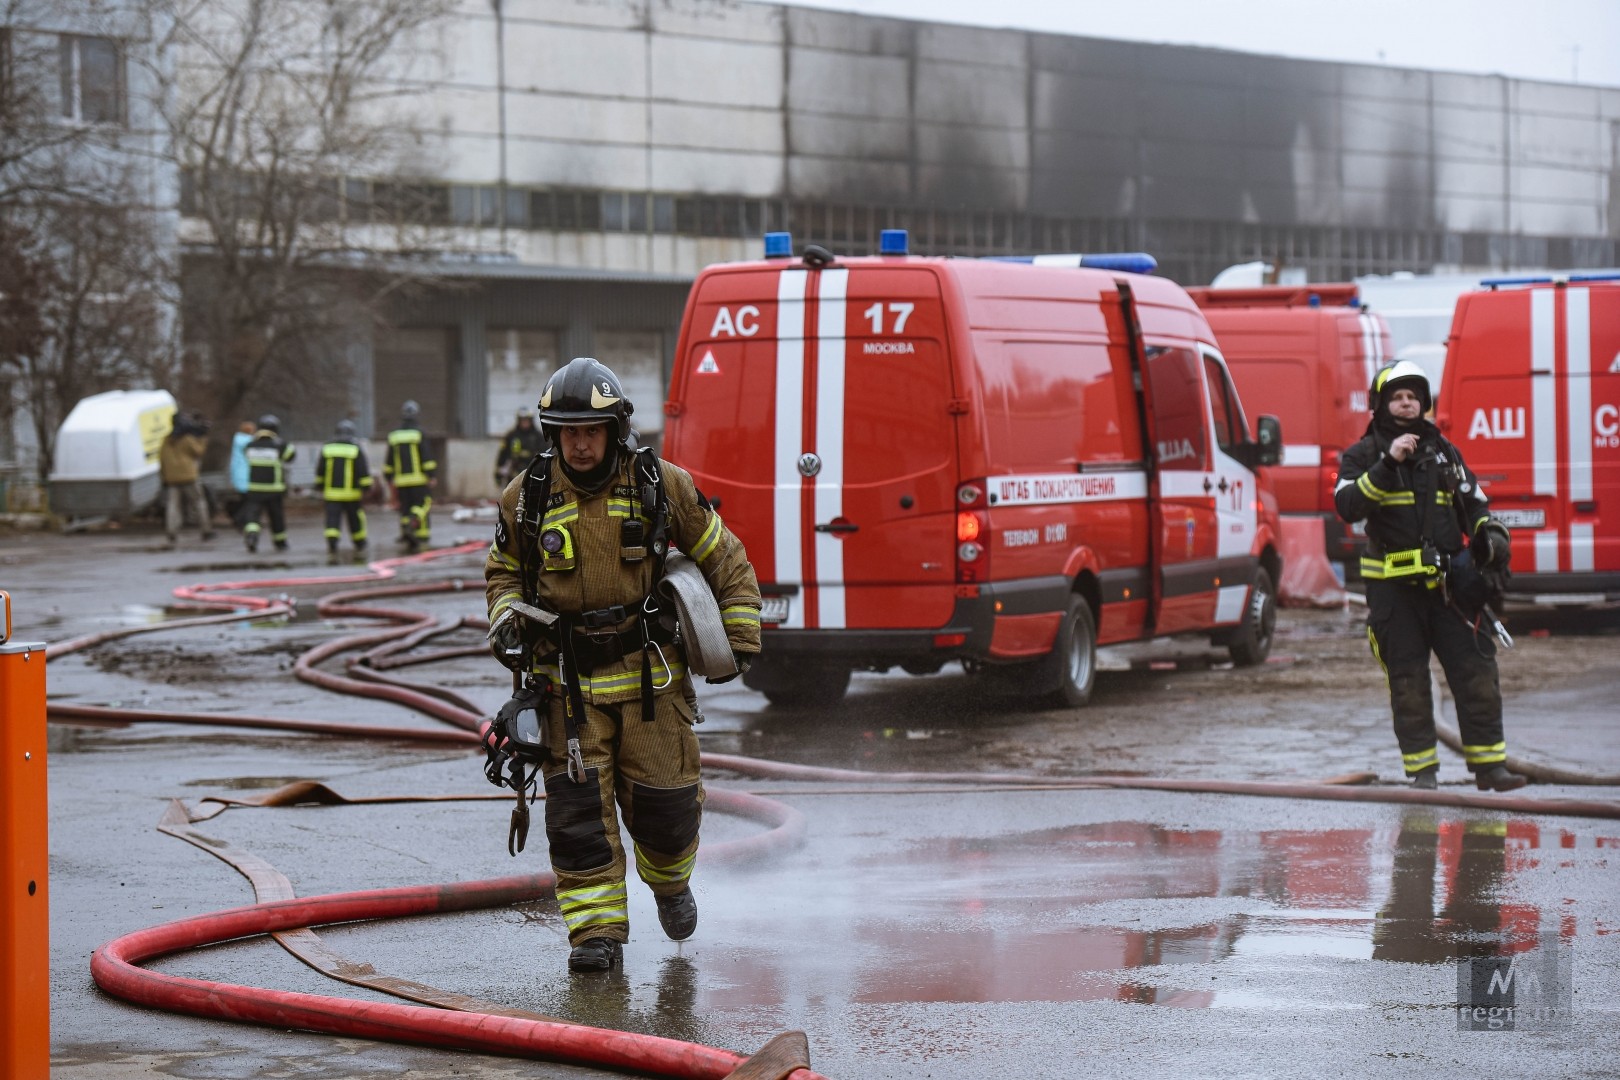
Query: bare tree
{"type": "Point", "coordinates": [84, 274]}
{"type": "Point", "coordinates": [281, 122]}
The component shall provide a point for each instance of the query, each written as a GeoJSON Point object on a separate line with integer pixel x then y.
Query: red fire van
{"type": "Point", "coordinates": [1531, 395]}
{"type": "Point", "coordinates": [957, 459]}
{"type": "Point", "coordinates": [1305, 353]}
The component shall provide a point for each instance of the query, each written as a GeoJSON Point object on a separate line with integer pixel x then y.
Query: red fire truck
{"type": "Point", "coordinates": [1307, 354]}
{"type": "Point", "coordinates": [960, 459]}
{"type": "Point", "coordinates": [1531, 395]}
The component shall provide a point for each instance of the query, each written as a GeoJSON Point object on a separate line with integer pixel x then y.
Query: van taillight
{"type": "Point", "coordinates": [972, 546]}
{"type": "Point", "coordinates": [1330, 477]}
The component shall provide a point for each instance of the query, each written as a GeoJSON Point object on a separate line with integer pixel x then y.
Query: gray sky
{"type": "Point", "coordinates": [1555, 40]}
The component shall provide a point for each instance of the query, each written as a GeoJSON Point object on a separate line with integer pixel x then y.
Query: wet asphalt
{"type": "Point", "coordinates": [918, 932]}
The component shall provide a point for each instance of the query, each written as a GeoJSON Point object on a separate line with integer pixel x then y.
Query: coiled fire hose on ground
{"type": "Point", "coordinates": [116, 965]}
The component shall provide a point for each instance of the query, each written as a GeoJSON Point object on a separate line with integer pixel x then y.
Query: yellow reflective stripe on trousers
{"type": "Point", "coordinates": [680, 870]}
{"type": "Point", "coordinates": [1421, 760]}
{"type": "Point", "coordinates": [1494, 754]}
{"type": "Point", "coordinates": [593, 905]}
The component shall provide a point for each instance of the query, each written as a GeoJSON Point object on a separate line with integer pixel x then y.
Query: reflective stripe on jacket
{"type": "Point", "coordinates": [342, 473]}
{"type": "Point", "coordinates": [408, 464]}
{"type": "Point", "coordinates": [267, 458]}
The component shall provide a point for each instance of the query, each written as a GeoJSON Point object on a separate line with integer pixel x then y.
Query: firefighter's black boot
{"type": "Point", "coordinates": [1427, 780]}
{"type": "Point", "coordinates": [1498, 778]}
{"type": "Point", "coordinates": [595, 954]}
{"type": "Point", "coordinates": [331, 553]}
{"type": "Point", "coordinates": [678, 914]}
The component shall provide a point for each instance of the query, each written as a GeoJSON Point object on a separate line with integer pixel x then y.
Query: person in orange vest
{"type": "Point", "coordinates": [411, 471]}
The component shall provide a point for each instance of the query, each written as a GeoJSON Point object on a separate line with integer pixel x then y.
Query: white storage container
{"type": "Point", "coordinates": [107, 453]}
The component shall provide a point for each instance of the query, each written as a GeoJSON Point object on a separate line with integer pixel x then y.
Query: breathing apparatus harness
{"type": "Point", "coordinates": [515, 741]}
{"type": "Point", "coordinates": [1462, 580]}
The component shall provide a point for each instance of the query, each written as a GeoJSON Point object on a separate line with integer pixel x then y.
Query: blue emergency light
{"type": "Point", "coordinates": [1493, 282]}
{"type": "Point", "coordinates": [1130, 262]}
{"type": "Point", "coordinates": [894, 242]}
{"type": "Point", "coordinates": [778, 245]}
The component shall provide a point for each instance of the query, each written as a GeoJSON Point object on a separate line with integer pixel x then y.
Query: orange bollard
{"type": "Point", "coordinates": [25, 951]}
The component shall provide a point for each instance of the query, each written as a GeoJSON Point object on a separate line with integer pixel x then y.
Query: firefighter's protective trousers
{"type": "Point", "coordinates": [1406, 620]}
{"type": "Point", "coordinates": [646, 772]}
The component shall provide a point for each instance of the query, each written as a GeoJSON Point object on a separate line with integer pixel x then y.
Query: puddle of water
{"type": "Point", "coordinates": [1113, 911]}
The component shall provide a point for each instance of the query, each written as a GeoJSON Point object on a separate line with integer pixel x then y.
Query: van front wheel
{"type": "Point", "coordinates": [805, 686]}
{"type": "Point", "coordinates": [1250, 643]}
{"type": "Point", "coordinates": [1071, 667]}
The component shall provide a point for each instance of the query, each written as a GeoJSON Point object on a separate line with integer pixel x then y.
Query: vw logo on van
{"type": "Point", "coordinates": [809, 464]}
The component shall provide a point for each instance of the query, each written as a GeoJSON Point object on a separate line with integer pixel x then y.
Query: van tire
{"type": "Point", "coordinates": [1250, 643]}
{"type": "Point", "coordinates": [802, 686]}
{"type": "Point", "coordinates": [1070, 670]}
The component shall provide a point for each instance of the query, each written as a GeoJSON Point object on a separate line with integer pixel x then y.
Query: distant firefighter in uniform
{"type": "Point", "coordinates": [344, 477]}
{"type": "Point", "coordinates": [518, 446]}
{"type": "Point", "coordinates": [1426, 591]}
{"type": "Point", "coordinates": [411, 471]}
{"type": "Point", "coordinates": [590, 550]}
{"type": "Point", "coordinates": [268, 456]}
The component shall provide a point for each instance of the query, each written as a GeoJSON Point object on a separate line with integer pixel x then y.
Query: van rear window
{"type": "Point", "coordinates": [1051, 403]}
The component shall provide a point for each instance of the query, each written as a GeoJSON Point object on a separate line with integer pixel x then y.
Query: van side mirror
{"type": "Point", "coordinates": [1268, 441]}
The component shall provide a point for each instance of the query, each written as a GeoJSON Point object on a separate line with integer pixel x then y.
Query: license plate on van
{"type": "Point", "coordinates": [1521, 519]}
{"type": "Point", "coordinates": [774, 609]}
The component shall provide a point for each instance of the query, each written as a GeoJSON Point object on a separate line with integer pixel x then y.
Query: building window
{"type": "Point", "coordinates": [518, 362]}
{"type": "Point", "coordinates": [92, 70]}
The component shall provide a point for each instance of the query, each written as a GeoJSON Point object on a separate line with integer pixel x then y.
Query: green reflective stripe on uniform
{"type": "Point", "coordinates": [506, 561]}
{"type": "Point", "coordinates": [708, 542]}
{"type": "Point", "coordinates": [561, 515]}
{"type": "Point", "coordinates": [1397, 564]}
{"type": "Point", "coordinates": [1371, 490]}
{"type": "Point", "coordinates": [1443, 498]}
{"type": "Point", "coordinates": [1400, 498]}
{"type": "Point", "coordinates": [1494, 754]}
{"type": "Point", "coordinates": [341, 450]}
{"type": "Point", "coordinates": [1372, 639]}
{"type": "Point", "coordinates": [1421, 760]}
{"type": "Point", "coordinates": [338, 465]}
{"type": "Point", "coordinates": [405, 455]}
{"type": "Point", "coordinates": [1483, 518]}
{"type": "Point", "coordinates": [678, 871]}
{"type": "Point", "coordinates": [621, 508]}
{"type": "Point", "coordinates": [594, 905]}
{"type": "Point", "coordinates": [739, 616]}
{"type": "Point", "coordinates": [502, 602]}
{"type": "Point", "coordinates": [607, 684]}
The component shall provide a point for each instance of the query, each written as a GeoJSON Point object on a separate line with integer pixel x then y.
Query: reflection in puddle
{"type": "Point", "coordinates": [1135, 912]}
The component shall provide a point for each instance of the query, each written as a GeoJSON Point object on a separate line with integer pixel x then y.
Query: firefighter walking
{"type": "Point", "coordinates": [268, 456]}
{"type": "Point", "coordinates": [585, 541]}
{"type": "Point", "coordinates": [1421, 502]}
{"type": "Point", "coordinates": [343, 477]}
{"type": "Point", "coordinates": [411, 470]}
{"type": "Point", "coordinates": [518, 446]}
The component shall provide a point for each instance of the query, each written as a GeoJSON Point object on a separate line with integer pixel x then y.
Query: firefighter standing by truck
{"type": "Point", "coordinates": [410, 470]}
{"type": "Point", "coordinates": [517, 447]}
{"type": "Point", "coordinates": [343, 477]}
{"type": "Point", "coordinates": [1424, 587]}
{"type": "Point", "coordinates": [268, 456]}
{"type": "Point", "coordinates": [585, 541]}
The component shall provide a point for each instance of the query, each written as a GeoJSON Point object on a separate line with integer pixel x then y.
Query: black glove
{"type": "Point", "coordinates": [506, 642]}
{"type": "Point", "coordinates": [742, 660]}
{"type": "Point", "coordinates": [1491, 546]}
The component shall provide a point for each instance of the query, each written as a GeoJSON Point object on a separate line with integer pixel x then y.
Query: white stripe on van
{"type": "Point", "coordinates": [1580, 548]}
{"type": "Point", "coordinates": [790, 434]}
{"type": "Point", "coordinates": [829, 498]}
{"type": "Point", "coordinates": [1547, 551]}
{"type": "Point", "coordinates": [1578, 347]}
{"type": "Point", "coordinates": [1372, 346]}
{"type": "Point", "coordinates": [1543, 397]}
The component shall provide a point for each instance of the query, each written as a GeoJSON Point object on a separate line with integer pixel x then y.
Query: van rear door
{"type": "Point", "coordinates": [816, 403]}
{"type": "Point", "coordinates": [1533, 401]}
